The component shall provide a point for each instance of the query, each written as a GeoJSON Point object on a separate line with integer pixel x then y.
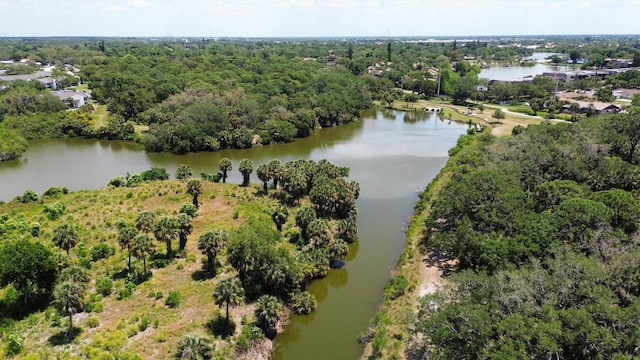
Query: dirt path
{"type": "Point", "coordinates": [429, 279]}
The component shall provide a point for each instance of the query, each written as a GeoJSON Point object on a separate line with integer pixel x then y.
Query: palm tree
{"type": "Point", "coordinates": [264, 175]}
{"type": "Point", "coordinates": [184, 228]}
{"type": "Point", "coordinates": [194, 347]}
{"type": "Point", "coordinates": [76, 274]}
{"type": "Point", "coordinates": [65, 236]}
{"type": "Point", "coordinates": [279, 216]}
{"type": "Point", "coordinates": [246, 167]}
{"type": "Point", "coordinates": [210, 243]}
{"type": "Point", "coordinates": [225, 166]}
{"type": "Point", "coordinates": [228, 291]}
{"type": "Point", "coordinates": [145, 221]}
{"type": "Point", "coordinates": [183, 172]}
{"type": "Point", "coordinates": [141, 247]}
{"type": "Point", "coordinates": [126, 233]}
{"type": "Point", "coordinates": [267, 314]}
{"type": "Point", "coordinates": [68, 297]}
{"type": "Point", "coordinates": [194, 188]}
{"type": "Point", "coordinates": [275, 169]}
{"type": "Point", "coordinates": [166, 230]}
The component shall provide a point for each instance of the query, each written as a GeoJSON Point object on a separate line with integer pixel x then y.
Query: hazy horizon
{"type": "Point", "coordinates": [315, 18]}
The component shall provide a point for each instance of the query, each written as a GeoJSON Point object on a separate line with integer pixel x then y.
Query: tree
{"type": "Point", "coordinates": [624, 134]}
{"type": "Point", "coordinates": [264, 175]}
{"type": "Point", "coordinates": [184, 229]}
{"type": "Point", "coordinates": [29, 266]}
{"type": "Point", "coordinates": [76, 274]}
{"type": "Point", "coordinates": [183, 172]}
{"type": "Point", "coordinates": [210, 243]}
{"type": "Point", "coordinates": [65, 236]}
{"type": "Point", "coordinates": [68, 297]}
{"type": "Point", "coordinates": [142, 246]}
{"type": "Point", "coordinates": [267, 314]}
{"type": "Point", "coordinates": [166, 230]}
{"type": "Point", "coordinates": [228, 291]}
{"type": "Point", "coordinates": [574, 55]}
{"type": "Point", "coordinates": [194, 347]}
{"type": "Point", "coordinates": [498, 114]}
{"type": "Point", "coordinates": [225, 166]}
{"type": "Point", "coordinates": [246, 167]}
{"type": "Point", "coordinates": [604, 94]}
{"type": "Point", "coordinates": [275, 169]}
{"type": "Point", "coordinates": [279, 216]}
{"type": "Point", "coordinates": [389, 52]}
{"type": "Point", "coordinates": [126, 233]}
{"type": "Point", "coordinates": [194, 188]}
{"type": "Point", "coordinates": [145, 220]}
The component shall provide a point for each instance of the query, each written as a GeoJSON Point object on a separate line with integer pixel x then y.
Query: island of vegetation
{"type": "Point", "coordinates": [97, 274]}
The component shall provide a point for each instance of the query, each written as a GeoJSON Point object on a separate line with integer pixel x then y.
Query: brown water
{"type": "Point", "coordinates": [393, 155]}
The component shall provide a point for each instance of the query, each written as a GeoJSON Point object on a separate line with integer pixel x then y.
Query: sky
{"type": "Point", "coordinates": [316, 18]}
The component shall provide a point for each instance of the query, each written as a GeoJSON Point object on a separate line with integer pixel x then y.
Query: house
{"type": "Point", "coordinates": [625, 93]}
{"type": "Point", "coordinates": [595, 106]}
{"type": "Point", "coordinates": [48, 82]}
{"type": "Point", "coordinates": [73, 98]}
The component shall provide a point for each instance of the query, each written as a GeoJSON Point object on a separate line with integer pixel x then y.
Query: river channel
{"type": "Point", "coordinates": [393, 155]}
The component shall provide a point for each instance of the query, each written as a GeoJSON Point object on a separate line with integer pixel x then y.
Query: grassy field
{"type": "Point", "coordinates": [100, 115]}
{"type": "Point", "coordinates": [142, 324]}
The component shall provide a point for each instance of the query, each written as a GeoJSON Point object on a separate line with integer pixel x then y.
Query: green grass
{"type": "Point", "coordinates": [121, 325]}
{"type": "Point", "coordinates": [100, 114]}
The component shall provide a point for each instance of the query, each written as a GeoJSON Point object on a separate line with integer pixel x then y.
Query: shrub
{"type": "Point", "coordinates": [54, 211]}
{"type": "Point", "coordinates": [211, 177]}
{"type": "Point", "coordinates": [144, 323]}
{"type": "Point", "coordinates": [189, 209]}
{"type": "Point", "coordinates": [173, 300]}
{"type": "Point", "coordinates": [55, 192]}
{"type": "Point", "coordinates": [303, 302]}
{"type": "Point", "coordinates": [118, 181]}
{"type": "Point", "coordinates": [396, 287]}
{"type": "Point", "coordinates": [101, 251]}
{"type": "Point", "coordinates": [104, 286]}
{"type": "Point", "coordinates": [14, 345]}
{"type": "Point", "coordinates": [93, 322]}
{"type": "Point", "coordinates": [35, 229]}
{"type": "Point", "coordinates": [155, 173]}
{"type": "Point", "coordinates": [126, 291]}
{"type": "Point", "coordinates": [27, 197]}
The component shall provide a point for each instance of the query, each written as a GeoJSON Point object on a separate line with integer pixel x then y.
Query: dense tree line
{"type": "Point", "coordinates": [543, 227]}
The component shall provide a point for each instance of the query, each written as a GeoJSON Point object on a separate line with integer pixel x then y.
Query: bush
{"type": "Point", "coordinates": [35, 229]}
{"type": "Point", "coordinates": [14, 345]}
{"type": "Point", "coordinates": [155, 173]}
{"type": "Point", "coordinates": [54, 211]}
{"type": "Point", "coordinates": [303, 302]}
{"type": "Point", "coordinates": [189, 209]}
{"type": "Point", "coordinates": [173, 300]}
{"type": "Point", "coordinates": [144, 323]}
{"type": "Point", "coordinates": [396, 287]}
{"type": "Point", "coordinates": [118, 181]}
{"type": "Point", "coordinates": [126, 291]}
{"type": "Point", "coordinates": [101, 251]}
{"type": "Point", "coordinates": [27, 197]}
{"type": "Point", "coordinates": [55, 192]}
{"type": "Point", "coordinates": [211, 177]}
{"type": "Point", "coordinates": [104, 286]}
{"type": "Point", "coordinates": [93, 322]}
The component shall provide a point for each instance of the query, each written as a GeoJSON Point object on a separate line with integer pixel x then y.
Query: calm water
{"type": "Point", "coordinates": [508, 73]}
{"type": "Point", "coordinates": [393, 155]}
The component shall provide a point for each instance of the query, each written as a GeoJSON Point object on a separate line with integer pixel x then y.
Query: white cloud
{"type": "Point", "coordinates": [141, 3]}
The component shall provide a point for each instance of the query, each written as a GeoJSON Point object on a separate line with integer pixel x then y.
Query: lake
{"type": "Point", "coordinates": [393, 155]}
